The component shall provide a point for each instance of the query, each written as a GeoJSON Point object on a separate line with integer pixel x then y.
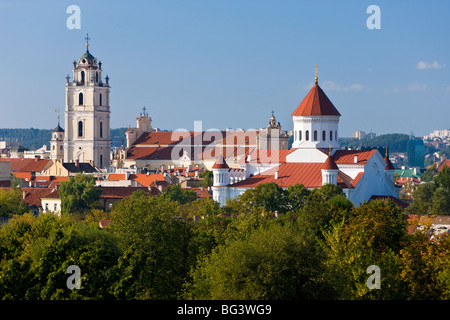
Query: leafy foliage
{"type": "Point", "coordinates": [172, 246]}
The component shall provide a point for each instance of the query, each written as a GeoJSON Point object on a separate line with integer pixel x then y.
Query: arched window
{"type": "Point", "coordinates": [315, 135]}
{"type": "Point", "coordinates": [307, 135]}
{"type": "Point", "coordinates": [80, 99]}
{"type": "Point", "coordinates": [331, 135]}
{"type": "Point", "coordinates": [80, 128]}
{"type": "Point", "coordinates": [82, 77]}
{"type": "Point", "coordinates": [101, 129]}
{"type": "Point", "coordinates": [300, 135]}
{"type": "Point", "coordinates": [324, 135]}
{"type": "Point", "coordinates": [101, 99]}
{"type": "Point", "coordinates": [96, 76]}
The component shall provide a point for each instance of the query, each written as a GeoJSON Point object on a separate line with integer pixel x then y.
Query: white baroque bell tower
{"type": "Point", "coordinates": [87, 113]}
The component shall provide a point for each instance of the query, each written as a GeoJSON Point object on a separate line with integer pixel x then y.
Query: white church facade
{"type": "Point", "coordinates": [315, 159]}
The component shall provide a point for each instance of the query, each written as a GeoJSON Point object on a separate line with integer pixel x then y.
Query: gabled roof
{"type": "Point", "coordinates": [316, 103]}
{"type": "Point", "coordinates": [27, 164]}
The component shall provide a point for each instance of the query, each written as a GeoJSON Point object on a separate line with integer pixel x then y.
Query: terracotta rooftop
{"type": "Point", "coordinates": [308, 174]}
{"type": "Point", "coordinates": [329, 164]}
{"type": "Point", "coordinates": [445, 163]}
{"type": "Point", "coordinates": [27, 165]}
{"type": "Point", "coordinates": [348, 156]}
{"type": "Point", "coordinates": [220, 163]}
{"type": "Point", "coordinates": [316, 103]}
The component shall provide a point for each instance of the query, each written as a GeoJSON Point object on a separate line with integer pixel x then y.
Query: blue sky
{"type": "Point", "coordinates": [230, 63]}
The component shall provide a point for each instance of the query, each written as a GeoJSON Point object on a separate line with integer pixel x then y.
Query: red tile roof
{"type": "Point", "coordinates": [348, 156]}
{"type": "Point", "coordinates": [220, 163]}
{"type": "Point", "coordinates": [265, 156]}
{"type": "Point", "coordinates": [329, 164]}
{"type": "Point", "coordinates": [146, 180]}
{"type": "Point", "coordinates": [445, 163]}
{"type": "Point", "coordinates": [33, 196]}
{"type": "Point", "coordinates": [27, 165]}
{"type": "Point", "coordinates": [316, 103]}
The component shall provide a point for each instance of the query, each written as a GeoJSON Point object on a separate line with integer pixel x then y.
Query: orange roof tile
{"type": "Point", "coordinates": [329, 164]}
{"type": "Point", "coordinates": [348, 156]}
{"type": "Point", "coordinates": [145, 180]}
{"type": "Point", "coordinates": [220, 163]}
{"type": "Point", "coordinates": [26, 165]}
{"type": "Point", "coordinates": [445, 163]}
{"type": "Point", "coordinates": [316, 103]}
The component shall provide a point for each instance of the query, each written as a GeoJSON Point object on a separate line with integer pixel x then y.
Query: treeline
{"type": "Point", "coordinates": [269, 244]}
{"type": "Point", "coordinates": [33, 139]}
{"type": "Point", "coordinates": [396, 142]}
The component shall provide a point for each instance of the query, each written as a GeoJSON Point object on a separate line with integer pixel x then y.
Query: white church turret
{"type": "Point", "coordinates": [329, 171]}
{"type": "Point", "coordinates": [221, 180]}
{"type": "Point", "coordinates": [316, 121]}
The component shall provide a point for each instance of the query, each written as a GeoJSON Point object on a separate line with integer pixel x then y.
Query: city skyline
{"type": "Point", "coordinates": [231, 64]}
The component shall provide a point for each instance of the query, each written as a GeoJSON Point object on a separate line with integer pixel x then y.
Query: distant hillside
{"type": "Point", "coordinates": [33, 139]}
{"type": "Point", "coordinates": [396, 142]}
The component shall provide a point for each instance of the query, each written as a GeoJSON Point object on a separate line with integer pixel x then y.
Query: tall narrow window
{"type": "Point", "coordinates": [300, 135]}
{"type": "Point", "coordinates": [101, 99]}
{"type": "Point", "coordinates": [82, 77]}
{"type": "Point", "coordinates": [101, 129]}
{"type": "Point", "coordinates": [315, 135]}
{"type": "Point", "coordinates": [307, 135]}
{"type": "Point", "coordinates": [101, 161]}
{"type": "Point", "coordinates": [324, 135]}
{"type": "Point", "coordinates": [80, 128]}
{"type": "Point", "coordinates": [331, 135]}
{"type": "Point", "coordinates": [96, 76]}
{"type": "Point", "coordinates": [80, 99]}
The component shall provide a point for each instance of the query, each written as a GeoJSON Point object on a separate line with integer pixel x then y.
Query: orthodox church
{"type": "Point", "coordinates": [315, 159]}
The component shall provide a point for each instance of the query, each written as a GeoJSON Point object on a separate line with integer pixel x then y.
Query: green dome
{"type": "Point", "coordinates": [88, 57]}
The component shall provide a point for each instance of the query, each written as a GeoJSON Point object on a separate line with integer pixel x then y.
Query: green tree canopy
{"type": "Point", "coordinates": [11, 203]}
{"type": "Point", "coordinates": [78, 194]}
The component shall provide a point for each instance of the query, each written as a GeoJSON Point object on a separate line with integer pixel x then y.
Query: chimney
{"type": "Point", "coordinates": [37, 158]}
{"type": "Point", "coordinates": [355, 159]}
{"type": "Point", "coordinates": [276, 174]}
{"type": "Point", "coordinates": [77, 163]}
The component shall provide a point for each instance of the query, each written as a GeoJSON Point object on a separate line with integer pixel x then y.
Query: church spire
{"type": "Point", "coordinates": [87, 42]}
{"type": "Point", "coordinates": [316, 79]}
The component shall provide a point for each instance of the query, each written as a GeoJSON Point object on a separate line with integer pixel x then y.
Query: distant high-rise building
{"type": "Point", "coordinates": [416, 153]}
{"type": "Point", "coordinates": [363, 135]}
